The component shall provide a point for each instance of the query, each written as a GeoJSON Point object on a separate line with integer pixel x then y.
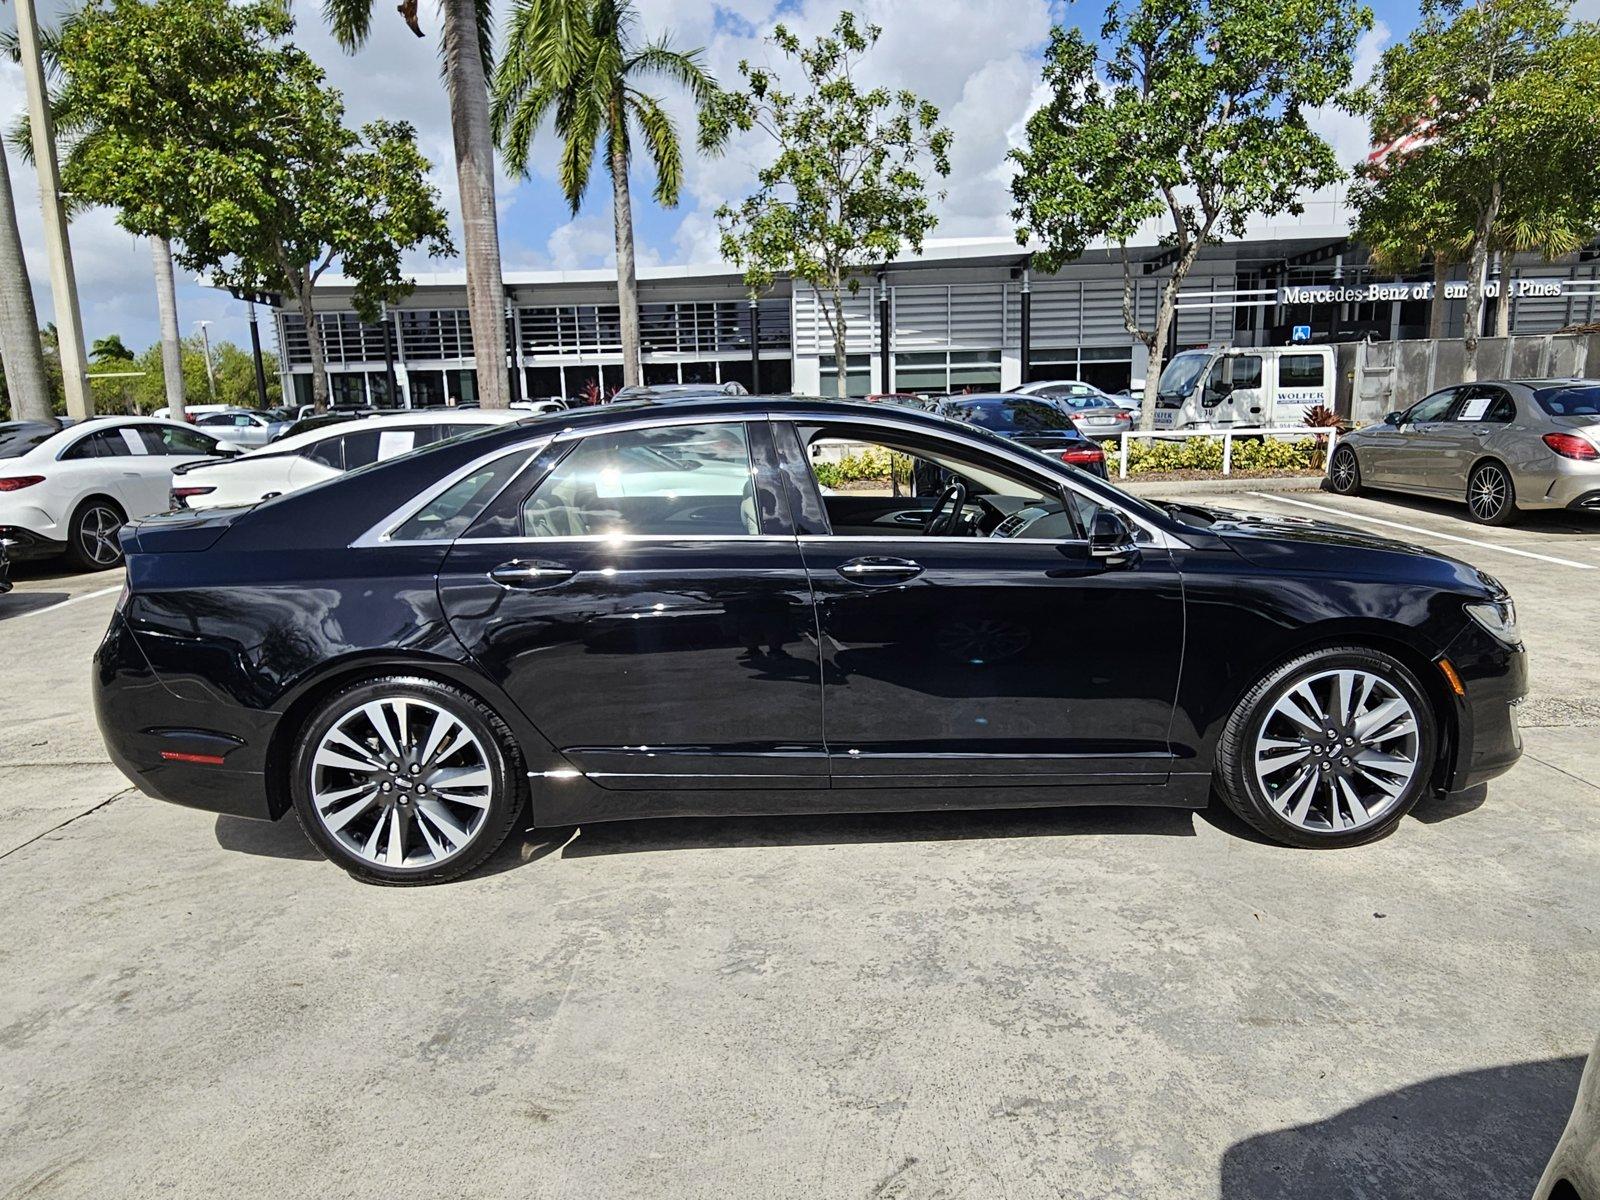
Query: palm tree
{"type": "Point", "coordinates": [468, 46]}
{"type": "Point", "coordinates": [20, 354]}
{"type": "Point", "coordinates": [578, 61]}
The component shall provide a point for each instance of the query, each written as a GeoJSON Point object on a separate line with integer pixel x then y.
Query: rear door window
{"type": "Point", "coordinates": [172, 440]}
{"type": "Point", "coordinates": [1486, 406]}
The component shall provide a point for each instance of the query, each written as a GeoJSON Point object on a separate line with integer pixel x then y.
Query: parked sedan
{"type": "Point", "coordinates": [1096, 414]}
{"type": "Point", "coordinates": [587, 614]}
{"type": "Point", "coordinates": [70, 492]}
{"type": "Point", "coordinates": [1034, 423]}
{"type": "Point", "coordinates": [242, 427]}
{"type": "Point", "coordinates": [1501, 446]}
{"type": "Point", "coordinates": [324, 452]}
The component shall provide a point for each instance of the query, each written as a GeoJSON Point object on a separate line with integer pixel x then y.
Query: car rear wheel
{"type": "Point", "coordinates": [92, 535]}
{"type": "Point", "coordinates": [1344, 472]}
{"type": "Point", "coordinates": [1491, 497]}
{"type": "Point", "coordinates": [403, 780]}
{"type": "Point", "coordinates": [1330, 749]}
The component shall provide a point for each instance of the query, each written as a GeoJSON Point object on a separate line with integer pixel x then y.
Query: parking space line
{"type": "Point", "coordinates": [110, 591]}
{"type": "Point", "coordinates": [1418, 529]}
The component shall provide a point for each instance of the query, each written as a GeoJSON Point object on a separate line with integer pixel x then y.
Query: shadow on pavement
{"type": "Point", "coordinates": [1473, 1136]}
{"type": "Point", "coordinates": [267, 839]}
{"type": "Point", "coordinates": [14, 604]}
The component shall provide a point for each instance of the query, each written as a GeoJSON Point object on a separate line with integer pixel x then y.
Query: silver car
{"type": "Point", "coordinates": [241, 426]}
{"type": "Point", "coordinates": [1500, 446]}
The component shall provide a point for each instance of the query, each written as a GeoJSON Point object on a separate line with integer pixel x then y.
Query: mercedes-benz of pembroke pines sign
{"type": "Point", "coordinates": [1368, 292]}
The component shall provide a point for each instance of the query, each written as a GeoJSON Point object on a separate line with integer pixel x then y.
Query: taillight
{"type": "Point", "coordinates": [1084, 457]}
{"type": "Point", "coordinates": [178, 497]}
{"type": "Point", "coordinates": [15, 483]}
{"type": "Point", "coordinates": [1568, 445]}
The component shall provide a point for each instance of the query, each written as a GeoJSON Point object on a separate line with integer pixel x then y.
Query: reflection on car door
{"type": "Point", "coordinates": [640, 595]}
{"type": "Point", "coordinates": [986, 659]}
{"type": "Point", "coordinates": [1387, 453]}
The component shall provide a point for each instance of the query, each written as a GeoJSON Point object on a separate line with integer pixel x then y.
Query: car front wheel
{"type": "Point", "coordinates": [1344, 473]}
{"type": "Point", "coordinates": [1330, 749]}
{"type": "Point", "coordinates": [404, 780]}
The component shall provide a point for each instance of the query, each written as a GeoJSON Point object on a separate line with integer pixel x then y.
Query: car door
{"type": "Point", "coordinates": [169, 446]}
{"type": "Point", "coordinates": [1419, 462]}
{"type": "Point", "coordinates": [640, 595]}
{"type": "Point", "coordinates": [1385, 450]}
{"type": "Point", "coordinates": [1482, 411]}
{"type": "Point", "coordinates": [962, 660]}
{"type": "Point", "coordinates": [1237, 400]}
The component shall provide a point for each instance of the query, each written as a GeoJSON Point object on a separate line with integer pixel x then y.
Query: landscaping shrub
{"type": "Point", "coordinates": [1205, 454]}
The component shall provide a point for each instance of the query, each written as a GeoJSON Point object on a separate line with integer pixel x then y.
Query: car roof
{"type": "Point", "coordinates": [53, 445]}
{"type": "Point", "coordinates": [387, 420]}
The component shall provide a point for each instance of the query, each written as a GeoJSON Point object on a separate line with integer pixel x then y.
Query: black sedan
{"type": "Point", "coordinates": [1034, 423]}
{"type": "Point", "coordinates": [651, 610]}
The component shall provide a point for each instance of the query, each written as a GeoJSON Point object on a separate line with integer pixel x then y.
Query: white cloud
{"type": "Point", "coordinates": [1346, 132]}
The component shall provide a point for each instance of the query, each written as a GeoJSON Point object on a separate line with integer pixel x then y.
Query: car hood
{"type": "Point", "coordinates": [1307, 544]}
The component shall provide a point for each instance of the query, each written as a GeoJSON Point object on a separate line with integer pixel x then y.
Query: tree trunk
{"type": "Point", "coordinates": [469, 123]}
{"type": "Point", "coordinates": [319, 362]}
{"type": "Point", "coordinates": [1166, 314]}
{"type": "Point", "coordinates": [1477, 276]}
{"type": "Point", "coordinates": [841, 360]}
{"type": "Point", "coordinates": [171, 340]}
{"type": "Point", "coordinates": [627, 276]}
{"type": "Point", "coordinates": [1438, 308]}
{"type": "Point", "coordinates": [23, 357]}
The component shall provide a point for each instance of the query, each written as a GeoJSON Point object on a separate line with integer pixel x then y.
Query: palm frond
{"type": "Point", "coordinates": [350, 20]}
{"type": "Point", "coordinates": [683, 67]}
{"type": "Point", "coordinates": [580, 124]}
{"type": "Point", "coordinates": [661, 136]}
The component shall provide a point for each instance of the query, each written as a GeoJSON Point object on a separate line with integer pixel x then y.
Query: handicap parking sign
{"type": "Point", "coordinates": [1302, 333]}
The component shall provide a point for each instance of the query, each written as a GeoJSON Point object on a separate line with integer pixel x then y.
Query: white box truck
{"type": "Point", "coordinates": [1244, 387]}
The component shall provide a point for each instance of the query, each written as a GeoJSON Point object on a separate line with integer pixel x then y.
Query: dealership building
{"type": "Point", "coordinates": [965, 313]}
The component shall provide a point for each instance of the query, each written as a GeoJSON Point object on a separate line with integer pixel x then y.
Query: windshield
{"type": "Point", "coordinates": [1024, 415]}
{"type": "Point", "coordinates": [14, 442]}
{"type": "Point", "coordinates": [1575, 400]}
{"type": "Point", "coordinates": [1182, 373]}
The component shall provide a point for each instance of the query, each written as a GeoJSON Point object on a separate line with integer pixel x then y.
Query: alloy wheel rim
{"type": "Point", "coordinates": [98, 535]}
{"type": "Point", "coordinates": [1337, 751]}
{"type": "Point", "coordinates": [1488, 493]}
{"type": "Point", "coordinates": [1343, 469]}
{"type": "Point", "coordinates": [401, 783]}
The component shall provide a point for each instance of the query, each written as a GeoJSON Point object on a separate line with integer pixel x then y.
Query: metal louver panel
{"type": "Point", "coordinates": [812, 334]}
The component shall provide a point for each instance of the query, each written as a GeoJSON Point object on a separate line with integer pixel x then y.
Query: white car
{"type": "Point", "coordinates": [540, 407]}
{"type": "Point", "coordinates": [292, 463]}
{"type": "Point", "coordinates": [241, 426]}
{"type": "Point", "coordinates": [71, 492]}
{"type": "Point", "coordinates": [192, 411]}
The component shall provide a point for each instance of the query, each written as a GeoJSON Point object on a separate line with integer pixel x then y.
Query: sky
{"type": "Point", "coordinates": [978, 60]}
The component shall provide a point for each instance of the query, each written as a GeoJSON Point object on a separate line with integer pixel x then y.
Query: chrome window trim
{"type": "Point", "coordinates": [1159, 537]}
{"type": "Point", "coordinates": [381, 534]}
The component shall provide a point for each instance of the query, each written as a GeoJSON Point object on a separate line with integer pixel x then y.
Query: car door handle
{"type": "Point", "coordinates": [527, 575]}
{"type": "Point", "coordinates": [879, 570]}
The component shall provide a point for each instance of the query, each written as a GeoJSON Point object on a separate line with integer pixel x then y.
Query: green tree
{"type": "Point", "coordinates": [580, 63]}
{"type": "Point", "coordinates": [1188, 115]}
{"type": "Point", "coordinates": [467, 53]}
{"type": "Point", "coordinates": [204, 125]}
{"type": "Point", "coordinates": [1502, 98]}
{"type": "Point", "coordinates": [847, 189]}
{"type": "Point", "coordinates": [234, 368]}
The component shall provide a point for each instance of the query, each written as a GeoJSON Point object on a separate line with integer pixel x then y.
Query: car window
{"type": "Point", "coordinates": [1577, 400]}
{"type": "Point", "coordinates": [329, 452]}
{"type": "Point", "coordinates": [107, 443]}
{"type": "Point", "coordinates": [17, 442]}
{"type": "Point", "coordinates": [1246, 374]}
{"type": "Point", "coordinates": [682, 479]}
{"type": "Point", "coordinates": [1301, 371]}
{"type": "Point", "coordinates": [1025, 416]}
{"type": "Point", "coordinates": [172, 440]}
{"type": "Point", "coordinates": [1486, 406]}
{"type": "Point", "coordinates": [1433, 408]}
{"type": "Point", "coordinates": [448, 515]}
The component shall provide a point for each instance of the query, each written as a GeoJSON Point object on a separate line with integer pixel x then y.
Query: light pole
{"type": "Point", "coordinates": [63, 285]}
{"type": "Point", "coordinates": [211, 378]}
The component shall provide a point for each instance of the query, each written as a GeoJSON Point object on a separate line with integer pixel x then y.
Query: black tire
{"type": "Point", "coordinates": [1491, 496]}
{"type": "Point", "coordinates": [1344, 472]}
{"type": "Point", "coordinates": [92, 533]}
{"type": "Point", "coordinates": [507, 789]}
{"type": "Point", "coordinates": [1236, 776]}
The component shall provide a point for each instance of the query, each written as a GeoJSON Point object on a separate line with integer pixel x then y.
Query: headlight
{"type": "Point", "coordinates": [1499, 617]}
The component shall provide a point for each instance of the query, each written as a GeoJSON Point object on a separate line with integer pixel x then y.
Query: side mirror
{"type": "Point", "coordinates": [227, 449]}
{"type": "Point", "coordinates": [1110, 538]}
{"type": "Point", "coordinates": [1395, 418]}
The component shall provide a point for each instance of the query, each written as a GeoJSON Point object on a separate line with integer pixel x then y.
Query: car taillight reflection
{"type": "Point", "coordinates": [1568, 445]}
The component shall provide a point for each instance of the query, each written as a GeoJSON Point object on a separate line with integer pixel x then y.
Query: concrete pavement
{"type": "Point", "coordinates": [1062, 1003]}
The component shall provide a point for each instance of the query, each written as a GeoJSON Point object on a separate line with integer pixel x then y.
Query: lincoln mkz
{"type": "Point", "coordinates": [649, 610]}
